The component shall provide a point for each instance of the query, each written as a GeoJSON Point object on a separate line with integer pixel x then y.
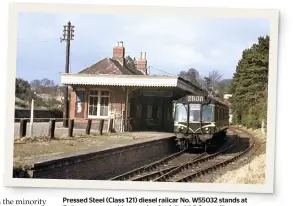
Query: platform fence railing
{"type": "Point", "coordinates": [53, 127]}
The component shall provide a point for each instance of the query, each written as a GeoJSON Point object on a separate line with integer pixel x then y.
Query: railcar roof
{"type": "Point", "coordinates": [214, 100]}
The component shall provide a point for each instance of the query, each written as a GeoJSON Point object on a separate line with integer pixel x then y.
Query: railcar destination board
{"type": "Point", "coordinates": [193, 98]}
{"type": "Point", "coordinates": [200, 99]}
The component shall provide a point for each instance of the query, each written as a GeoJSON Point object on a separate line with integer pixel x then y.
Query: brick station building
{"type": "Point", "coordinates": [109, 89]}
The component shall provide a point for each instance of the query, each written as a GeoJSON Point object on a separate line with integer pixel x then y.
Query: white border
{"type": "Point", "coordinates": [272, 15]}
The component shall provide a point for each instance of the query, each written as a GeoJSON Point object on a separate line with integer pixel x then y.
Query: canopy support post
{"type": "Point", "coordinates": [126, 108]}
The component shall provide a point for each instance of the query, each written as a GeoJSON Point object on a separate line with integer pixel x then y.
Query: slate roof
{"type": "Point", "coordinates": [110, 66]}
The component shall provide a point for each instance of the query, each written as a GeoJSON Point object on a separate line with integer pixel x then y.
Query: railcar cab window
{"type": "Point", "coordinates": [180, 113]}
{"type": "Point", "coordinates": [194, 113]}
{"type": "Point", "coordinates": [207, 114]}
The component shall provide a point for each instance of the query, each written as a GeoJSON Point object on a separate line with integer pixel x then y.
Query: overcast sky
{"type": "Point", "coordinates": [172, 44]}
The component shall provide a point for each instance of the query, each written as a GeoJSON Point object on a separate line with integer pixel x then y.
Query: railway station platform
{"type": "Point", "coordinates": [103, 158]}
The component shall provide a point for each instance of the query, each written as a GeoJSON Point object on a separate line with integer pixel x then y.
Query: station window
{"type": "Point", "coordinates": [98, 103]}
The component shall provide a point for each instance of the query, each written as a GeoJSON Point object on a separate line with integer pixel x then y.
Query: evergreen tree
{"type": "Point", "coordinates": [249, 85]}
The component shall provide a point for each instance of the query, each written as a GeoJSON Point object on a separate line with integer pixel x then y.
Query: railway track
{"type": "Point", "coordinates": [169, 166]}
{"type": "Point", "coordinates": [188, 172]}
{"type": "Point", "coordinates": [186, 167]}
{"type": "Point", "coordinates": [159, 167]}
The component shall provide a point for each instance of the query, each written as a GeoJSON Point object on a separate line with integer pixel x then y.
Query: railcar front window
{"type": "Point", "coordinates": [180, 113]}
{"type": "Point", "coordinates": [194, 112]}
{"type": "Point", "coordinates": [207, 114]}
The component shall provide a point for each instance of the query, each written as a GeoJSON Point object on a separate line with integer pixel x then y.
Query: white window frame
{"type": "Point", "coordinates": [98, 116]}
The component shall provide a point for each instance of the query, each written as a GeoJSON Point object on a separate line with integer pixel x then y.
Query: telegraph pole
{"type": "Point", "coordinates": [67, 36]}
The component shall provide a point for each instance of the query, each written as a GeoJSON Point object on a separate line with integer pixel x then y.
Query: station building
{"type": "Point", "coordinates": [109, 89]}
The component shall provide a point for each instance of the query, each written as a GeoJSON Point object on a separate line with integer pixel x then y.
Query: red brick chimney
{"type": "Point", "coordinates": [142, 63]}
{"type": "Point", "coordinates": [119, 53]}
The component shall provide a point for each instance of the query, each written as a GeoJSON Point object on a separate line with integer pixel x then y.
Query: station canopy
{"type": "Point", "coordinates": [129, 81]}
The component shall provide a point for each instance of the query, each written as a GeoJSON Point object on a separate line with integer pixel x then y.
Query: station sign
{"type": "Point", "coordinates": [158, 93]}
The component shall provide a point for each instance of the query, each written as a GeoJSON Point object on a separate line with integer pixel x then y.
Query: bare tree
{"type": "Point", "coordinates": [215, 78]}
{"type": "Point", "coordinates": [130, 62]}
{"type": "Point", "coordinates": [212, 81]}
{"type": "Point", "coordinates": [191, 75]}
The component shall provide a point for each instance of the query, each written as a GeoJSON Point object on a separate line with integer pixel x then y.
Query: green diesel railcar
{"type": "Point", "coordinates": [199, 121]}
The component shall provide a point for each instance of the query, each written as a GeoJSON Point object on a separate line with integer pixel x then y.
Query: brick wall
{"type": "Point", "coordinates": [105, 164]}
{"type": "Point", "coordinates": [116, 101]}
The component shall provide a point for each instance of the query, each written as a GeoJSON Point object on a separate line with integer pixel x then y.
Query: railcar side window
{"type": "Point", "coordinates": [213, 112]}
{"type": "Point", "coordinates": [216, 113]}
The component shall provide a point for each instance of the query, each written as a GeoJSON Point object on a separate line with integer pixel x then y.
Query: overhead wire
{"type": "Point", "coordinates": [162, 70]}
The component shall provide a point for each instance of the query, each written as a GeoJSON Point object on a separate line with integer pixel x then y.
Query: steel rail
{"type": "Point", "coordinates": [189, 164]}
{"type": "Point", "coordinates": [208, 169]}
{"type": "Point", "coordinates": [147, 167]}
{"type": "Point", "coordinates": [155, 174]}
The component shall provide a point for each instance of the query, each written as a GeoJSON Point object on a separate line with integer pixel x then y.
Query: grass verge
{"type": "Point", "coordinates": [254, 171]}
